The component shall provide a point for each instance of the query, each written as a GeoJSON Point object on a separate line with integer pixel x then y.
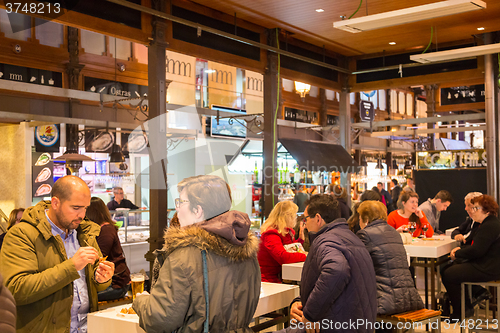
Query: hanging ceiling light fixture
{"type": "Point", "coordinates": [409, 15]}
{"type": "Point", "coordinates": [364, 162]}
{"type": "Point", "coordinates": [379, 164]}
{"type": "Point", "coordinates": [116, 155]}
{"type": "Point", "coordinates": [73, 159]}
{"type": "Point", "coordinates": [395, 165]}
{"type": "Point", "coordinates": [407, 165]}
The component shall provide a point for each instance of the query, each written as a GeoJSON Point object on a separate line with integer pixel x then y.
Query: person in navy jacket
{"type": "Point", "coordinates": [338, 291]}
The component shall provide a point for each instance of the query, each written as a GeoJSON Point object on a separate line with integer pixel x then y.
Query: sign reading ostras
{"type": "Point", "coordinates": [453, 159]}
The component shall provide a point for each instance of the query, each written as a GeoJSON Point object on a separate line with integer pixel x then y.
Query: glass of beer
{"type": "Point", "coordinates": [137, 281]}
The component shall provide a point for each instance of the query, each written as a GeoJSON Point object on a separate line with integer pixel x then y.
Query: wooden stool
{"type": "Point", "coordinates": [115, 302]}
{"type": "Point", "coordinates": [413, 319]}
{"type": "Point", "coordinates": [480, 325]}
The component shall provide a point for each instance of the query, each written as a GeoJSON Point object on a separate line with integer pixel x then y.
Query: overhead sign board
{"type": "Point", "coordinates": [462, 94]}
{"type": "Point", "coordinates": [366, 111]}
{"type": "Point", "coordinates": [452, 159]}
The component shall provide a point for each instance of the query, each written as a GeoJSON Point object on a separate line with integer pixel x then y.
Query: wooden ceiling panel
{"type": "Point", "coordinates": [301, 18]}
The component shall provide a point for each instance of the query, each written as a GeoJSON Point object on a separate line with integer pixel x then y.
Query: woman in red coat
{"type": "Point", "coordinates": [409, 212]}
{"type": "Point", "coordinates": [276, 232]}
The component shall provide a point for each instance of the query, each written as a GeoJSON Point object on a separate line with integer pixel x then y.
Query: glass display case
{"type": "Point", "coordinates": [133, 224]}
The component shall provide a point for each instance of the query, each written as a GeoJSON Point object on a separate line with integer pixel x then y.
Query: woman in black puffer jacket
{"type": "Point", "coordinates": [7, 310]}
{"type": "Point", "coordinates": [395, 289]}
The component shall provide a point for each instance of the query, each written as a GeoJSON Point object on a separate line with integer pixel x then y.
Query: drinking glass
{"type": "Point", "coordinates": [412, 227]}
{"type": "Point", "coordinates": [137, 282]}
{"type": "Point", "coordinates": [425, 227]}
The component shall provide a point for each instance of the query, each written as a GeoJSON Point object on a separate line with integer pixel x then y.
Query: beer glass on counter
{"type": "Point", "coordinates": [137, 281]}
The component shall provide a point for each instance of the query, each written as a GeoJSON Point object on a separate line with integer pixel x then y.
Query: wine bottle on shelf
{"type": "Point", "coordinates": [256, 174]}
{"type": "Point", "coordinates": [296, 175]}
{"type": "Point", "coordinates": [280, 173]}
{"type": "Point", "coordinates": [286, 178]}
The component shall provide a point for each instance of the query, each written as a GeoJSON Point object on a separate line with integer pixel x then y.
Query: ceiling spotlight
{"type": "Point", "coordinates": [392, 43]}
{"type": "Point", "coordinates": [480, 28]}
{"type": "Point", "coordinates": [319, 10]}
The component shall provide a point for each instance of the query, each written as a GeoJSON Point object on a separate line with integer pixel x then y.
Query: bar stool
{"type": "Point", "coordinates": [480, 325]}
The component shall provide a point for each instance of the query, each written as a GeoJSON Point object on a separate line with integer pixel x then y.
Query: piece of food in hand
{"type": "Point", "coordinates": [131, 311]}
{"type": "Point", "coordinates": [103, 259]}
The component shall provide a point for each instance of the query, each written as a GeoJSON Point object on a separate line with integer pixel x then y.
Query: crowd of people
{"type": "Point", "coordinates": [61, 256]}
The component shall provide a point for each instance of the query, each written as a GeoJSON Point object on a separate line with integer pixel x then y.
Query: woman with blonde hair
{"type": "Point", "coordinates": [395, 289]}
{"type": "Point", "coordinates": [277, 232]}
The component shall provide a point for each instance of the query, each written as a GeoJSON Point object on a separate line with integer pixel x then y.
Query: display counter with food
{"type": "Point", "coordinates": [133, 224]}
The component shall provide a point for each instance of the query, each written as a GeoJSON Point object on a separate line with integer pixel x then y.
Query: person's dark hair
{"type": "Point", "coordinates": [338, 191]}
{"type": "Point", "coordinates": [375, 189]}
{"type": "Point", "coordinates": [98, 212]}
{"type": "Point", "coordinates": [445, 196]}
{"type": "Point", "coordinates": [488, 203]}
{"type": "Point", "coordinates": [403, 198]}
{"type": "Point", "coordinates": [380, 183]}
{"type": "Point", "coordinates": [365, 196]}
{"type": "Point", "coordinates": [370, 195]}
{"type": "Point", "coordinates": [394, 181]}
{"type": "Point", "coordinates": [212, 193]}
{"type": "Point", "coordinates": [13, 217]}
{"type": "Point", "coordinates": [325, 205]}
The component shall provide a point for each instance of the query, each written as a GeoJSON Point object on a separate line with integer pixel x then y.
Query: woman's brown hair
{"type": "Point", "coordinates": [13, 217]}
{"type": "Point", "coordinates": [98, 212]}
{"type": "Point", "coordinates": [488, 203]}
{"type": "Point", "coordinates": [403, 198]}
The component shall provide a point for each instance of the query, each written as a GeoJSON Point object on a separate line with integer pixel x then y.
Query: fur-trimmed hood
{"type": "Point", "coordinates": [227, 235]}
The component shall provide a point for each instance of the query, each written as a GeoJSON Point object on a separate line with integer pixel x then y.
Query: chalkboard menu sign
{"type": "Point", "coordinates": [462, 94]}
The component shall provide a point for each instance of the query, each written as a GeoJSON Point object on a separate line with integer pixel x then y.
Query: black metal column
{"type": "Point", "coordinates": [157, 124]}
{"type": "Point", "coordinates": [272, 90]}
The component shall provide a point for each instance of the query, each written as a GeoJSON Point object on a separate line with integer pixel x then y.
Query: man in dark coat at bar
{"type": "Point", "coordinates": [338, 292]}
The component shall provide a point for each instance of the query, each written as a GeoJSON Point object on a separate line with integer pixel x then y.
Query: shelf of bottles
{"type": "Point", "coordinates": [359, 178]}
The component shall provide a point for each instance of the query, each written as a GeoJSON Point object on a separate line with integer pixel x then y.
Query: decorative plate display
{"type": "Point", "coordinates": [43, 190]}
{"type": "Point", "coordinates": [43, 176]}
{"type": "Point", "coordinates": [47, 135]}
{"type": "Point", "coordinates": [43, 159]}
{"type": "Point", "coordinates": [136, 142]}
{"type": "Point", "coordinates": [101, 142]}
